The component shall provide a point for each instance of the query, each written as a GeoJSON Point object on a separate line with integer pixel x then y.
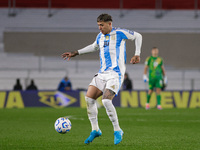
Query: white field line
{"type": "Point", "coordinates": [74, 118]}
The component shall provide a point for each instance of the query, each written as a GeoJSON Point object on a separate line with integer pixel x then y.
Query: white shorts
{"type": "Point", "coordinates": [107, 80]}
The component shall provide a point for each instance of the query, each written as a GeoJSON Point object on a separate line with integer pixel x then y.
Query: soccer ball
{"type": "Point", "coordinates": [62, 125]}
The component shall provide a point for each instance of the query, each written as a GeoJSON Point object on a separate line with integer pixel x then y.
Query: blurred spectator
{"type": "Point", "coordinates": [32, 86]}
{"type": "Point", "coordinates": [65, 85]}
{"type": "Point", "coordinates": [17, 86]}
{"type": "Point", "coordinates": [127, 85]}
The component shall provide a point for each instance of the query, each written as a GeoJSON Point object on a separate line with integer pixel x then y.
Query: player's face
{"type": "Point", "coordinates": [155, 52]}
{"type": "Point", "coordinates": [105, 27]}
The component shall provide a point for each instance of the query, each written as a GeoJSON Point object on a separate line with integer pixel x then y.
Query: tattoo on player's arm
{"type": "Point", "coordinates": [108, 94]}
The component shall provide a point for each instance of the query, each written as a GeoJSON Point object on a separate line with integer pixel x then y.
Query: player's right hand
{"type": "Point", "coordinates": [68, 55]}
{"type": "Point", "coordinates": [135, 59]}
{"type": "Point", "coordinates": [145, 78]}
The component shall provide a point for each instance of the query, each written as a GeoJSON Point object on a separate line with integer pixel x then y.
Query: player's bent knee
{"type": "Point", "coordinates": [93, 92]}
{"type": "Point", "coordinates": [150, 92]}
{"type": "Point", "coordinates": [89, 100]}
{"type": "Point", "coordinates": [94, 96]}
{"type": "Point", "coordinates": [158, 90]}
{"type": "Point", "coordinates": [89, 96]}
{"type": "Point", "coordinates": [107, 97]}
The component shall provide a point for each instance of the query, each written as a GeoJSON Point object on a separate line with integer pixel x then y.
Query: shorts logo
{"type": "Point", "coordinates": [113, 86]}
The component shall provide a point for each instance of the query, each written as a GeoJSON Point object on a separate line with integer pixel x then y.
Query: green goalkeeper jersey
{"type": "Point", "coordinates": [155, 67]}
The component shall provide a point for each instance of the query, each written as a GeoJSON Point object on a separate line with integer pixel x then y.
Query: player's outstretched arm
{"type": "Point", "coordinates": [145, 69]}
{"type": "Point", "coordinates": [88, 49]}
{"type": "Point", "coordinates": [164, 74]}
{"type": "Point", "coordinates": [163, 70]}
{"type": "Point", "coordinates": [138, 44]}
{"type": "Point", "coordinates": [68, 55]}
{"type": "Point", "coordinates": [145, 78]}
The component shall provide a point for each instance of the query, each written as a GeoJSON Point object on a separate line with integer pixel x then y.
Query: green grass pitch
{"type": "Point", "coordinates": [33, 128]}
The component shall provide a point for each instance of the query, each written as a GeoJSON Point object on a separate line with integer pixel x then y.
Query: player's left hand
{"type": "Point", "coordinates": [68, 55]}
{"type": "Point", "coordinates": [135, 59]}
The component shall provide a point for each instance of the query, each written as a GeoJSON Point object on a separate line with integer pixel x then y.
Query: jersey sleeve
{"type": "Point", "coordinates": [132, 35]}
{"type": "Point", "coordinates": [90, 48]}
{"type": "Point", "coordinates": [96, 42]}
{"type": "Point", "coordinates": [147, 61]}
{"type": "Point", "coordinates": [126, 34]}
{"type": "Point", "coordinates": [161, 64]}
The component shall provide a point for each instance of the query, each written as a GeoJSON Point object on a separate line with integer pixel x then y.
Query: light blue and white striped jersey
{"type": "Point", "coordinates": [112, 48]}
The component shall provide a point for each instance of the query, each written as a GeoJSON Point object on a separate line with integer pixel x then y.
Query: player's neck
{"type": "Point", "coordinates": [109, 31]}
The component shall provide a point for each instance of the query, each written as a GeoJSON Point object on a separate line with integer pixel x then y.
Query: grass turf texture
{"type": "Point", "coordinates": [33, 128]}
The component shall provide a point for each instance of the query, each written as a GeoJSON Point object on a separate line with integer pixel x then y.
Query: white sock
{"type": "Point", "coordinates": [92, 112]}
{"type": "Point", "coordinates": [112, 114]}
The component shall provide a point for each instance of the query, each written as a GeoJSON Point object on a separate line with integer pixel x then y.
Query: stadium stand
{"type": "Point", "coordinates": [131, 4]}
{"type": "Point", "coordinates": [48, 75]}
{"type": "Point", "coordinates": [47, 70]}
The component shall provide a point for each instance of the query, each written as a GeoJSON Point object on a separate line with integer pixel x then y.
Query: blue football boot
{"type": "Point", "coordinates": [118, 136]}
{"type": "Point", "coordinates": [93, 135]}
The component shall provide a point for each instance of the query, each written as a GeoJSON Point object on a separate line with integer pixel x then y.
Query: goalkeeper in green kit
{"type": "Point", "coordinates": [157, 76]}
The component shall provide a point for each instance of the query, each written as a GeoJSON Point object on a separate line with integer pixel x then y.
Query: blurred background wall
{"type": "Point", "coordinates": [177, 49]}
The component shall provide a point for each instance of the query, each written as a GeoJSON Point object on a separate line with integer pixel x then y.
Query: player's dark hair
{"type": "Point", "coordinates": [154, 47]}
{"type": "Point", "coordinates": [104, 18]}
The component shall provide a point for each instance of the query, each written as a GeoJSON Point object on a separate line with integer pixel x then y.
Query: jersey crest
{"type": "Point", "coordinates": [157, 62]}
{"type": "Point", "coordinates": [107, 37]}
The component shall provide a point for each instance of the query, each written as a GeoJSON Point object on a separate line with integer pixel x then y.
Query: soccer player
{"type": "Point", "coordinates": [156, 75]}
{"type": "Point", "coordinates": [111, 44]}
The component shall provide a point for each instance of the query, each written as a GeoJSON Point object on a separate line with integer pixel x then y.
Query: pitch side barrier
{"type": "Point", "coordinates": [134, 99]}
